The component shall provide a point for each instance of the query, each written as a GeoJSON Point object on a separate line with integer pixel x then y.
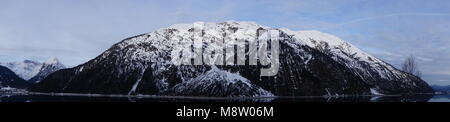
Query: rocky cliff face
{"type": "Point", "coordinates": [311, 63]}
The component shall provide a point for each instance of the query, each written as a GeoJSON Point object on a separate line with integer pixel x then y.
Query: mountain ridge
{"type": "Point", "coordinates": [312, 63]}
{"type": "Point", "coordinates": [33, 71]}
{"type": "Point", "coordinates": [48, 67]}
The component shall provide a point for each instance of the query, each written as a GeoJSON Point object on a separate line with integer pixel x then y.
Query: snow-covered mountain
{"type": "Point", "coordinates": [369, 68]}
{"type": "Point", "coordinates": [48, 67]}
{"type": "Point", "coordinates": [25, 69]}
{"type": "Point", "coordinates": [9, 79]}
{"type": "Point", "coordinates": [311, 63]}
{"type": "Point", "coordinates": [33, 71]}
{"type": "Point", "coordinates": [218, 83]}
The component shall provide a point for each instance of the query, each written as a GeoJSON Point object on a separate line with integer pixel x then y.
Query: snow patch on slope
{"type": "Point", "coordinates": [375, 92]}
{"type": "Point", "coordinates": [221, 83]}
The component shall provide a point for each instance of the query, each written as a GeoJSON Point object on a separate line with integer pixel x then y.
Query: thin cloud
{"type": "Point", "coordinates": [374, 18]}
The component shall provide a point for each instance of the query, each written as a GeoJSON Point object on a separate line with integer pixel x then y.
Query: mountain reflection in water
{"type": "Point", "coordinates": [49, 98]}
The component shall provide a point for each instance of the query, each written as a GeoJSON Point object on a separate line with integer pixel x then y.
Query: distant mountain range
{"type": "Point", "coordinates": [441, 88]}
{"type": "Point", "coordinates": [31, 71]}
{"type": "Point", "coordinates": [312, 63]}
{"type": "Point", "coordinates": [9, 79]}
{"type": "Point", "coordinates": [48, 67]}
{"type": "Point", "coordinates": [25, 69]}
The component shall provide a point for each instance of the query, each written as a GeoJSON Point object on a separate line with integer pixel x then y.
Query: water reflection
{"type": "Point", "coordinates": [47, 98]}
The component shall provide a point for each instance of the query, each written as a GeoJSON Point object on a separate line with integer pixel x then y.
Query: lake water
{"type": "Point", "coordinates": [50, 98]}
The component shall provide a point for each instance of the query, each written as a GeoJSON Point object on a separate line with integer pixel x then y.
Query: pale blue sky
{"type": "Point", "coordinates": [78, 30]}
